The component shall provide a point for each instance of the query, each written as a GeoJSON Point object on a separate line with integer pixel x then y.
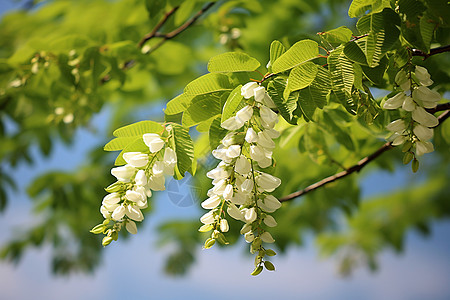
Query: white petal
{"type": "Point", "coordinates": [228, 192]}
{"type": "Point", "coordinates": [156, 183]}
{"type": "Point", "coordinates": [267, 237]}
{"type": "Point", "coordinates": [153, 142]}
{"type": "Point", "coordinates": [131, 227]}
{"type": "Point", "coordinates": [259, 93]}
{"type": "Point", "coordinates": [265, 140]}
{"type": "Point", "coordinates": [224, 225]}
{"type": "Point", "coordinates": [251, 136]}
{"type": "Point", "coordinates": [424, 147]}
{"type": "Point", "coordinates": [257, 152]}
{"type": "Point", "coordinates": [409, 104]}
{"type": "Point", "coordinates": [247, 89]}
{"type": "Point", "coordinates": [249, 237]}
{"type": "Point", "coordinates": [207, 218]}
{"type": "Point", "coordinates": [267, 101]}
{"type": "Point", "coordinates": [170, 157]}
{"type": "Point", "coordinates": [234, 212]}
{"type": "Point", "coordinates": [134, 213]}
{"type": "Point", "coordinates": [158, 168]}
{"type": "Point", "coordinates": [233, 151]}
{"type": "Point", "coordinates": [134, 196]}
{"type": "Point", "coordinates": [211, 202]}
{"type": "Point", "coordinates": [423, 76]}
{"type": "Point", "coordinates": [136, 159]}
{"type": "Point", "coordinates": [141, 178]}
{"type": "Point", "coordinates": [112, 198]}
{"type": "Point", "coordinates": [270, 221]}
{"type": "Point", "coordinates": [250, 215]}
{"type": "Point", "coordinates": [423, 133]}
{"type": "Point", "coordinates": [267, 182]}
{"type": "Point", "coordinates": [396, 126]}
{"type": "Point", "coordinates": [247, 186]}
{"type": "Point", "coordinates": [242, 166]}
{"type": "Point", "coordinates": [245, 113]}
{"type": "Point", "coordinates": [118, 213]}
{"type": "Point", "coordinates": [232, 123]}
{"type": "Point", "coordinates": [268, 116]}
{"type": "Point", "coordinates": [423, 117]}
{"type": "Point", "coordinates": [106, 214]}
{"type": "Point", "coordinates": [398, 140]}
{"type": "Point", "coordinates": [123, 173]}
{"type": "Point", "coordinates": [395, 102]}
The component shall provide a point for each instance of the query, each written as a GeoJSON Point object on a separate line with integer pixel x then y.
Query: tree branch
{"type": "Point", "coordinates": [362, 163]}
{"type": "Point", "coordinates": [417, 52]}
{"type": "Point", "coordinates": [158, 26]}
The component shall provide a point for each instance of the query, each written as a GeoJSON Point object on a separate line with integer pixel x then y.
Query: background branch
{"type": "Point", "coordinates": [361, 164]}
{"type": "Point", "coordinates": [417, 52]}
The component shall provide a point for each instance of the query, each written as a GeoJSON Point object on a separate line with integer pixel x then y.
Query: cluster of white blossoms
{"type": "Point", "coordinates": [416, 125]}
{"type": "Point", "coordinates": [143, 173]}
{"type": "Point", "coordinates": [241, 189]}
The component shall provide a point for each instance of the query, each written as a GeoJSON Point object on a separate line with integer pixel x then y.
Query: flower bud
{"type": "Point", "coordinates": [422, 117]}
{"type": "Point", "coordinates": [270, 221]}
{"type": "Point", "coordinates": [136, 159]}
{"type": "Point", "coordinates": [224, 225]}
{"type": "Point", "coordinates": [267, 237]}
{"type": "Point", "coordinates": [131, 227]}
{"type": "Point", "coordinates": [106, 241]}
{"type": "Point", "coordinates": [153, 142]}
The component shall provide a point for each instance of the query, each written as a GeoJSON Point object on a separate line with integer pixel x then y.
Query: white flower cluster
{"type": "Point", "coordinates": [238, 186]}
{"type": "Point", "coordinates": [143, 173]}
{"type": "Point", "coordinates": [416, 126]}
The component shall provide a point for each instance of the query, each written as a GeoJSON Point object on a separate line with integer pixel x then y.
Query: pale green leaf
{"type": "Point", "coordinates": [233, 62]}
{"type": "Point", "coordinates": [359, 7]}
{"type": "Point", "coordinates": [184, 148]}
{"type": "Point", "coordinates": [120, 143]}
{"type": "Point", "coordinates": [338, 35]}
{"type": "Point", "coordinates": [301, 77]}
{"type": "Point", "coordinates": [202, 108]}
{"type": "Point", "coordinates": [137, 145]}
{"type": "Point", "coordinates": [233, 101]}
{"type": "Point", "coordinates": [276, 50]}
{"type": "Point", "coordinates": [209, 83]}
{"type": "Point", "coordinates": [286, 108]}
{"type": "Point", "coordinates": [178, 104]}
{"type": "Point", "coordinates": [216, 133]}
{"type": "Point", "coordinates": [300, 53]}
{"type": "Point", "coordinates": [138, 129]}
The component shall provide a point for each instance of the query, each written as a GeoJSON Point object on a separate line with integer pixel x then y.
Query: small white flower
{"type": "Point", "coordinates": [158, 168]}
{"type": "Point", "coordinates": [134, 213]}
{"type": "Point", "coordinates": [423, 133]}
{"type": "Point", "coordinates": [239, 198]}
{"type": "Point", "coordinates": [268, 117]}
{"type": "Point", "coordinates": [228, 140]}
{"type": "Point", "coordinates": [141, 178]}
{"type": "Point", "coordinates": [265, 140]}
{"type": "Point", "coordinates": [423, 117]}
{"type": "Point", "coordinates": [207, 218]}
{"type": "Point", "coordinates": [218, 173]}
{"type": "Point", "coordinates": [153, 142]}
{"type": "Point", "coordinates": [219, 187]}
{"type": "Point", "coordinates": [134, 196]}
{"type": "Point", "coordinates": [259, 93]}
{"type": "Point", "coordinates": [247, 89]}
{"type": "Point", "coordinates": [123, 173]}
{"type": "Point", "coordinates": [270, 221]}
{"type": "Point", "coordinates": [136, 159]}
{"type": "Point", "coordinates": [396, 126]}
{"type": "Point", "coordinates": [106, 214]}
{"type": "Point", "coordinates": [211, 202]}
{"type": "Point", "coordinates": [247, 186]}
{"type": "Point", "coordinates": [242, 166]}
{"type": "Point", "coordinates": [232, 123]}
{"type": "Point", "coordinates": [265, 162]}
{"type": "Point", "coordinates": [156, 183]}
{"type": "Point", "coordinates": [228, 192]}
{"type": "Point", "coordinates": [257, 152]}
{"type": "Point", "coordinates": [395, 102]}
{"type": "Point", "coordinates": [398, 140]}
{"type": "Point", "coordinates": [234, 212]}
{"type": "Point", "coordinates": [402, 80]}
{"type": "Point", "coordinates": [131, 227]}
{"type": "Point", "coordinates": [170, 157]}
{"type": "Point", "coordinates": [267, 182]}
{"type": "Point", "coordinates": [424, 147]}
{"type": "Point", "coordinates": [246, 228]}
{"type": "Point", "coordinates": [233, 151]}
{"type": "Point", "coordinates": [224, 225]}
{"type": "Point", "coordinates": [273, 133]}
{"type": "Point", "coordinates": [409, 104]}
{"type": "Point", "coordinates": [118, 213]}
{"type": "Point", "coordinates": [250, 215]}
{"type": "Point", "coordinates": [249, 237]}
{"type": "Point", "coordinates": [272, 203]}
{"type": "Point", "coordinates": [427, 97]}
{"type": "Point", "coordinates": [251, 136]}
{"type": "Point", "coordinates": [423, 76]}
{"type": "Point", "coordinates": [245, 113]}
{"type": "Point", "coordinates": [110, 199]}
{"type": "Point", "coordinates": [267, 237]}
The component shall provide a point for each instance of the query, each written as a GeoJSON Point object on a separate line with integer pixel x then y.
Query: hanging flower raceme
{"type": "Point", "coordinates": [415, 128]}
{"type": "Point", "coordinates": [128, 196]}
{"type": "Point", "coordinates": [241, 189]}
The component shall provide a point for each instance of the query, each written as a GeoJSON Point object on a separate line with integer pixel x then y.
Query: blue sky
{"type": "Point", "coordinates": [133, 269]}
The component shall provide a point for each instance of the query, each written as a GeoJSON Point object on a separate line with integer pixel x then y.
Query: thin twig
{"type": "Point", "coordinates": [158, 26]}
{"type": "Point", "coordinates": [355, 168]}
{"type": "Point", "coordinates": [417, 52]}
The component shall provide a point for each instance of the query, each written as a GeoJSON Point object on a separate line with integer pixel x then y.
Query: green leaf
{"type": "Point", "coordinates": [184, 148]}
{"type": "Point", "coordinates": [276, 50]}
{"type": "Point", "coordinates": [359, 7]}
{"type": "Point", "coordinates": [286, 108]}
{"type": "Point", "coordinates": [138, 129]}
{"type": "Point", "coordinates": [216, 133]}
{"type": "Point", "coordinates": [137, 145]}
{"type": "Point", "coordinates": [353, 51]}
{"type": "Point", "coordinates": [233, 62]}
{"type": "Point", "coordinates": [257, 271]}
{"type": "Point", "coordinates": [269, 266]}
{"type": "Point", "coordinates": [298, 54]}
{"type": "Point", "coordinates": [231, 105]}
{"type": "Point", "coordinates": [338, 35]}
{"type": "Point", "coordinates": [120, 143]}
{"type": "Point", "coordinates": [341, 136]}
{"type": "Point", "coordinates": [301, 77]}
{"type": "Point", "coordinates": [178, 104]}
{"type": "Point", "coordinates": [154, 7]}
{"type": "Point", "coordinates": [184, 11]}
{"type": "Point", "coordinates": [209, 83]}
{"type": "Point", "coordinates": [202, 108]}
{"type": "Point", "coordinates": [376, 74]}
{"type": "Point", "coordinates": [427, 28]}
